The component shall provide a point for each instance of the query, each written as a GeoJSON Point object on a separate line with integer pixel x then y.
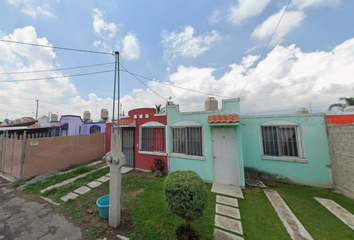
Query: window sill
{"type": "Point", "coordinates": [285, 159]}
{"type": "Point", "coordinates": [180, 155]}
{"type": "Point", "coordinates": [153, 153]}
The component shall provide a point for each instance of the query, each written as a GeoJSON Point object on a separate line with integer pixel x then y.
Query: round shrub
{"type": "Point", "coordinates": [185, 194]}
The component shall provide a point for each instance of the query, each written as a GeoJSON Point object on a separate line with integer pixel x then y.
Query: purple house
{"type": "Point", "coordinates": [70, 125]}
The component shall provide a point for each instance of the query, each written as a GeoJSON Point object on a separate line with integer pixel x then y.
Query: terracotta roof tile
{"type": "Point", "coordinates": [19, 124]}
{"type": "Point", "coordinates": [125, 121]}
{"type": "Point", "coordinates": [226, 118]}
{"type": "Point", "coordinates": [59, 125]}
{"type": "Point", "coordinates": [35, 125]}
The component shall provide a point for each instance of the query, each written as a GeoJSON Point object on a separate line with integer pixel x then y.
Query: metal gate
{"type": "Point", "coordinates": [128, 146]}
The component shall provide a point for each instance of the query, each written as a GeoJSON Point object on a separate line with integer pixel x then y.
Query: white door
{"type": "Point", "coordinates": [225, 156]}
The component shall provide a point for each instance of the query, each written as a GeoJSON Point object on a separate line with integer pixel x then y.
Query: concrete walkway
{"type": "Point", "coordinates": [227, 215]}
{"type": "Point", "coordinates": [294, 227]}
{"type": "Point", "coordinates": [26, 217]}
{"type": "Point", "coordinates": [338, 211]}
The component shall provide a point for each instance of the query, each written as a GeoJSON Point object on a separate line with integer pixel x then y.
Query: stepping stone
{"type": "Point", "coordinates": [294, 227]}
{"type": "Point", "coordinates": [94, 184]}
{"type": "Point", "coordinates": [228, 211]}
{"type": "Point", "coordinates": [338, 211]}
{"type": "Point", "coordinates": [227, 190]}
{"type": "Point", "coordinates": [221, 235]}
{"type": "Point", "coordinates": [228, 224]}
{"type": "Point", "coordinates": [103, 179]}
{"type": "Point", "coordinates": [126, 169]}
{"type": "Point", "coordinates": [69, 196]}
{"type": "Point", "coordinates": [227, 201]}
{"type": "Point", "coordinates": [108, 174]}
{"type": "Point", "coordinates": [82, 190]}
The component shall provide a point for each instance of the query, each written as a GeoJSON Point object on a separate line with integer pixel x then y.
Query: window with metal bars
{"type": "Point", "coordinates": [152, 139]}
{"type": "Point", "coordinates": [187, 140]}
{"type": "Point", "coordinates": [281, 141]}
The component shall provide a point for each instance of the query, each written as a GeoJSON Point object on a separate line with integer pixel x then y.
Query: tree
{"type": "Point", "coordinates": [186, 196]}
{"type": "Point", "coordinates": [349, 101]}
{"type": "Point", "coordinates": [159, 109]}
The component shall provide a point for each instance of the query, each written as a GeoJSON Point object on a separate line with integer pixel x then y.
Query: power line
{"type": "Point", "coordinates": [61, 48]}
{"type": "Point", "coordinates": [260, 58]}
{"type": "Point", "coordinates": [168, 84]}
{"type": "Point", "coordinates": [57, 69]}
{"type": "Point", "coordinates": [49, 78]}
{"type": "Point", "coordinates": [143, 83]}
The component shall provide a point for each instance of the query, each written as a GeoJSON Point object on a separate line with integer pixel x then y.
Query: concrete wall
{"type": "Point", "coordinates": [55, 153]}
{"type": "Point", "coordinates": [342, 153]}
{"type": "Point", "coordinates": [312, 170]}
{"type": "Point", "coordinates": [203, 166]}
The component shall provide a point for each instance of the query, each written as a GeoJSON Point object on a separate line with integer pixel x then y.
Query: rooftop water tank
{"type": "Point", "coordinates": [87, 116]}
{"type": "Point", "coordinates": [211, 104]}
{"type": "Point", "coordinates": [53, 117]}
{"type": "Point", "coordinates": [104, 114]}
{"type": "Point", "coordinates": [302, 111]}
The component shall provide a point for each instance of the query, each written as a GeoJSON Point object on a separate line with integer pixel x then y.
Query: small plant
{"type": "Point", "coordinates": [159, 165]}
{"type": "Point", "coordinates": [186, 196]}
{"type": "Point", "coordinates": [94, 232]}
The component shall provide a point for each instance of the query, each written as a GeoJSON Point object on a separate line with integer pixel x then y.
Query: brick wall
{"type": "Point", "coordinates": [341, 146]}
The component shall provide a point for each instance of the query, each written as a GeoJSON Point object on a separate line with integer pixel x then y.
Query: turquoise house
{"type": "Point", "coordinates": [293, 147]}
{"type": "Point", "coordinates": [219, 145]}
{"type": "Point", "coordinates": [207, 142]}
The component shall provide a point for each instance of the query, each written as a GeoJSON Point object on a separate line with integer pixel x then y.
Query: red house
{"type": "Point", "coordinates": [143, 138]}
{"type": "Point", "coordinates": [340, 119]}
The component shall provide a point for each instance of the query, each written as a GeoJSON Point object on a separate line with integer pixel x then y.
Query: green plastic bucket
{"type": "Point", "coordinates": [103, 206]}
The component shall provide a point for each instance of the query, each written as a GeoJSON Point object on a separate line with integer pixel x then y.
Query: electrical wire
{"type": "Point", "coordinates": [142, 82]}
{"type": "Point", "coordinates": [54, 47]}
{"type": "Point", "coordinates": [260, 58]}
{"type": "Point", "coordinates": [50, 78]}
{"type": "Point", "coordinates": [57, 69]}
{"type": "Point", "coordinates": [175, 86]}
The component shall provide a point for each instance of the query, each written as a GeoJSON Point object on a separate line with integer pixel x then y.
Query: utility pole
{"type": "Point", "coordinates": [116, 158]}
{"type": "Point", "coordinates": [37, 100]}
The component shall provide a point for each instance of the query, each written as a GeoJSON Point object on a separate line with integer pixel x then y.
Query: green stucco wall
{"type": "Point", "coordinates": [314, 172]}
{"type": "Point", "coordinates": [203, 167]}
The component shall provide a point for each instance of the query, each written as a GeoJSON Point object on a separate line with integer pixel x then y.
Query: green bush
{"type": "Point", "coordinates": [186, 195]}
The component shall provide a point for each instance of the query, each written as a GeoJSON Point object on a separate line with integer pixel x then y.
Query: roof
{"type": "Point", "coordinates": [225, 118]}
{"type": "Point", "coordinates": [125, 121]}
{"type": "Point", "coordinates": [59, 124]}
{"type": "Point", "coordinates": [20, 124]}
{"type": "Point", "coordinates": [35, 125]}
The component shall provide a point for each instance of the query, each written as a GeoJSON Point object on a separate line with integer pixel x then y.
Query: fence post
{"type": "Point", "coordinates": [2, 150]}
{"type": "Point", "coordinates": [13, 150]}
{"type": "Point", "coordinates": [23, 153]}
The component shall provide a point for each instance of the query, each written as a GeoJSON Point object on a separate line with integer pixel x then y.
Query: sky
{"type": "Point", "coordinates": [180, 50]}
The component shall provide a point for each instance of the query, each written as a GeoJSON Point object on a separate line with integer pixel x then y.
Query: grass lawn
{"type": "Point", "coordinates": [152, 219]}
{"type": "Point", "coordinates": [260, 221]}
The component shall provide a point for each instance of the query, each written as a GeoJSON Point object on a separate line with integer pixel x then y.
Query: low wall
{"type": "Point", "coordinates": [341, 145]}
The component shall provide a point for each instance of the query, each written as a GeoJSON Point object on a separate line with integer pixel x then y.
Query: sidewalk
{"type": "Point", "coordinates": [26, 217]}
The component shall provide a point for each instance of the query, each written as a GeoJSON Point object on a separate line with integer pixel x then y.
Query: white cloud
{"type": "Point", "coordinates": [186, 43]}
{"type": "Point", "coordinates": [246, 9]}
{"type": "Point", "coordinates": [215, 16]}
{"type": "Point", "coordinates": [101, 28]}
{"type": "Point", "coordinates": [304, 4]}
{"type": "Point", "coordinates": [287, 78]}
{"type": "Point", "coordinates": [290, 21]}
{"type": "Point", "coordinates": [131, 48]}
{"type": "Point", "coordinates": [33, 8]}
{"type": "Point", "coordinates": [17, 58]}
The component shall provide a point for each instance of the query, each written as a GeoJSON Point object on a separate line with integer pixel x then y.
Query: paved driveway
{"type": "Point", "coordinates": [27, 217]}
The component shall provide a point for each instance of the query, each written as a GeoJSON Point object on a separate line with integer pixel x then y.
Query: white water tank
{"type": "Point", "coordinates": [302, 111]}
{"type": "Point", "coordinates": [87, 116]}
{"type": "Point", "coordinates": [211, 104]}
{"type": "Point", "coordinates": [53, 117]}
{"type": "Point", "coordinates": [104, 115]}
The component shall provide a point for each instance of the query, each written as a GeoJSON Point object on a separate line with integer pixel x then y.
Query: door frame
{"type": "Point", "coordinates": [236, 155]}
